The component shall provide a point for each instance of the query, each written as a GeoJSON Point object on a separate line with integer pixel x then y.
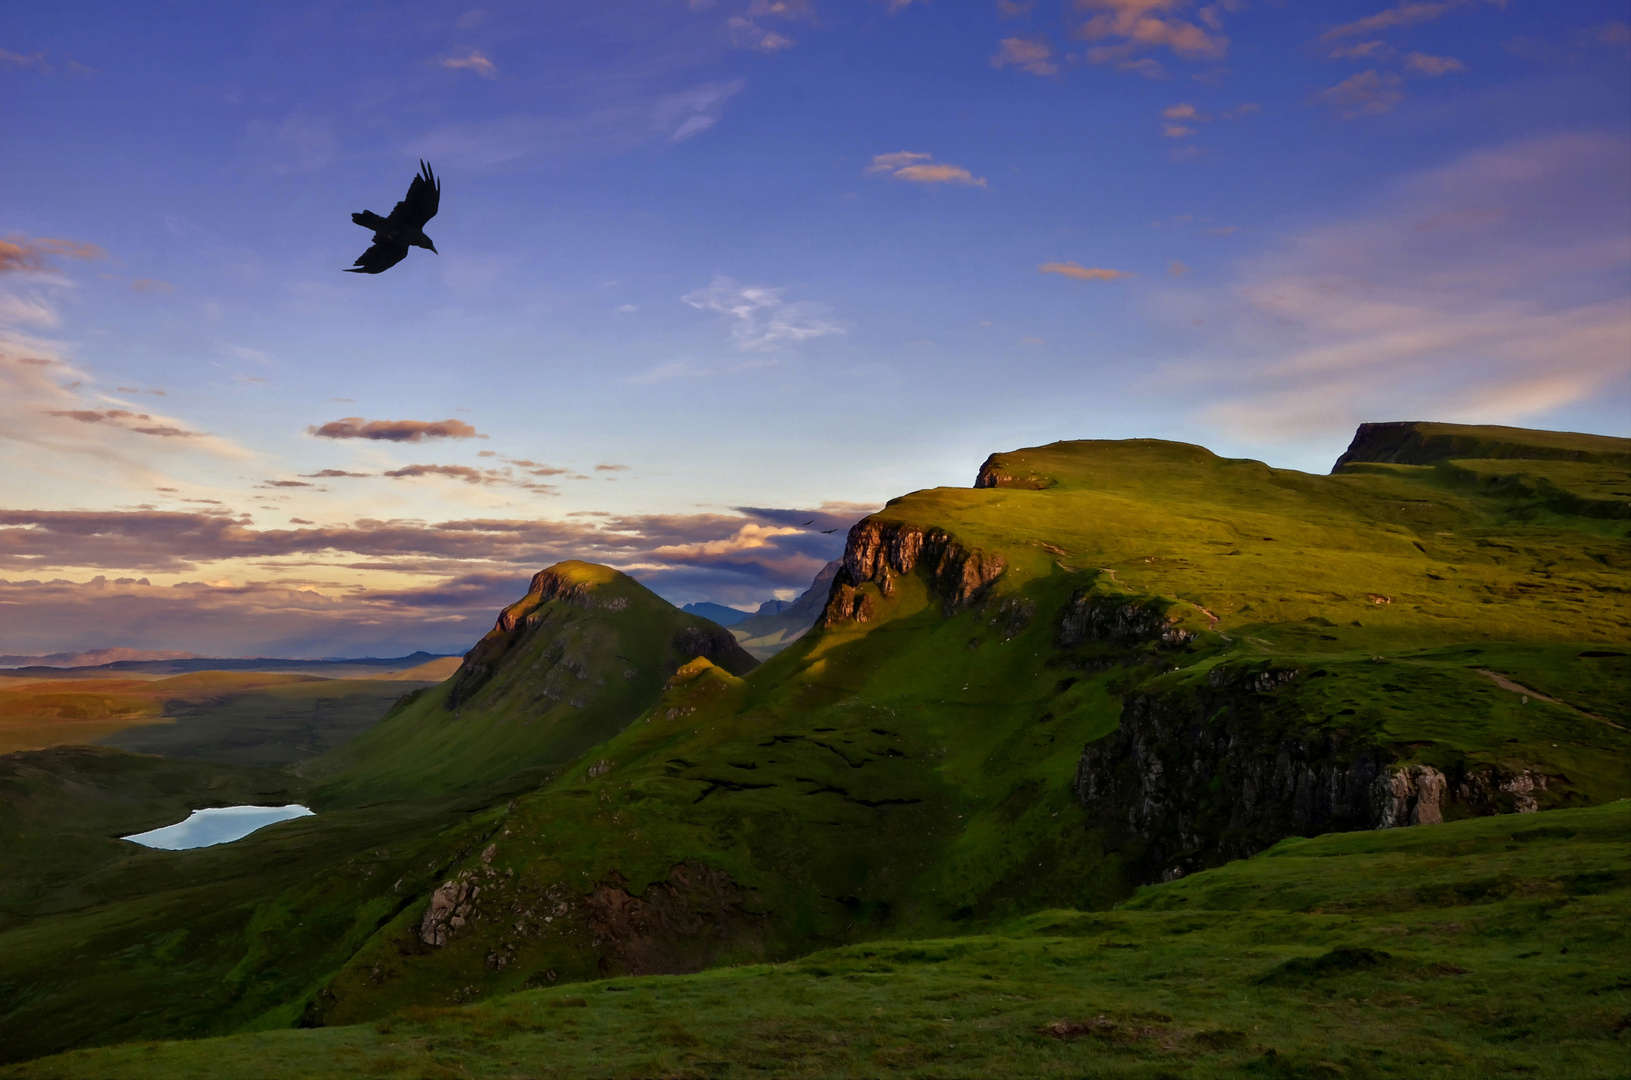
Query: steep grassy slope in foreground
{"type": "Point", "coordinates": [1479, 949]}
{"type": "Point", "coordinates": [1279, 653]}
{"type": "Point", "coordinates": [583, 653]}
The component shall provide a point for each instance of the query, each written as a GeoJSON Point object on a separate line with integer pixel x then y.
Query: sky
{"type": "Point", "coordinates": [715, 279]}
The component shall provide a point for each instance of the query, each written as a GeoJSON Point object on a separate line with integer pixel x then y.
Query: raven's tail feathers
{"type": "Point", "coordinates": [369, 220]}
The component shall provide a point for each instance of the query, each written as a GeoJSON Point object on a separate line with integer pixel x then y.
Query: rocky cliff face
{"type": "Point", "coordinates": [996, 472]}
{"type": "Point", "coordinates": [1197, 776]}
{"type": "Point", "coordinates": [880, 551]}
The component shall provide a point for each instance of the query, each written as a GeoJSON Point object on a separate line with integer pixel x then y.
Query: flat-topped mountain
{"type": "Point", "coordinates": [1415, 442]}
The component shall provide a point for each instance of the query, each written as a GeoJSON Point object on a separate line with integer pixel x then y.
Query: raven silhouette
{"type": "Point", "coordinates": [405, 227]}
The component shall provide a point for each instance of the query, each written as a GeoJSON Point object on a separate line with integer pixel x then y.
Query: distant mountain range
{"type": "Point", "coordinates": [718, 613]}
{"type": "Point", "coordinates": [778, 623]}
{"type": "Point", "coordinates": [93, 658]}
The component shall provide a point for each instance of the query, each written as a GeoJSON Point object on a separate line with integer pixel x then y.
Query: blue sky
{"type": "Point", "coordinates": [699, 257]}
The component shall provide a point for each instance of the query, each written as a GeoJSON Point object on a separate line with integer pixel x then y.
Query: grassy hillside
{"type": "Point", "coordinates": [1476, 949]}
{"type": "Point", "coordinates": [909, 768]}
{"type": "Point", "coordinates": [1258, 641]}
{"type": "Point", "coordinates": [568, 665]}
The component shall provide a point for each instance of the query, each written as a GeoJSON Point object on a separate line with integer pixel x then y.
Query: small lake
{"type": "Point", "coordinates": [219, 825]}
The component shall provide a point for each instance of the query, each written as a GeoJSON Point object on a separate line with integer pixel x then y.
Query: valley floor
{"type": "Point", "coordinates": [1483, 948]}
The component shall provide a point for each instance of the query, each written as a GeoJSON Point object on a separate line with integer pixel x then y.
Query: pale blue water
{"type": "Point", "coordinates": [220, 825]}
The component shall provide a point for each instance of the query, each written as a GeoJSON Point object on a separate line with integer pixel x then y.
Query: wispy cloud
{"type": "Point", "coordinates": [921, 169]}
{"type": "Point", "coordinates": [1368, 93]}
{"type": "Point", "coordinates": [671, 117]}
{"type": "Point", "coordinates": [760, 318]}
{"type": "Point", "coordinates": [1423, 64]}
{"type": "Point", "coordinates": [140, 423]}
{"type": "Point", "coordinates": [472, 61]}
{"type": "Point", "coordinates": [355, 427]}
{"type": "Point", "coordinates": [1489, 290]}
{"type": "Point", "coordinates": [747, 30]}
{"type": "Point", "coordinates": [1034, 55]}
{"type": "Point", "coordinates": [1078, 272]}
{"type": "Point", "coordinates": [30, 62]}
{"type": "Point", "coordinates": [20, 254]}
{"type": "Point", "coordinates": [1406, 14]}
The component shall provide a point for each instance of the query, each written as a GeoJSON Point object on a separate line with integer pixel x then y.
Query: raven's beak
{"type": "Point", "coordinates": [433, 250]}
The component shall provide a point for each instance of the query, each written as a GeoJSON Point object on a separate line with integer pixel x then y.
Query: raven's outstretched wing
{"type": "Point", "coordinates": [380, 257]}
{"type": "Point", "coordinates": [424, 198]}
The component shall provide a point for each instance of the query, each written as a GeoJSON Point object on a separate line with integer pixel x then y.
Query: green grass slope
{"type": "Point", "coordinates": [103, 940]}
{"type": "Point", "coordinates": [1469, 950]}
{"type": "Point", "coordinates": [910, 767]}
{"type": "Point", "coordinates": [583, 653]}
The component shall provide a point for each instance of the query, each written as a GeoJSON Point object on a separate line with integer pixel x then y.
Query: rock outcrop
{"type": "Point", "coordinates": [1193, 778]}
{"type": "Point", "coordinates": [878, 552]}
{"type": "Point", "coordinates": [1093, 616]}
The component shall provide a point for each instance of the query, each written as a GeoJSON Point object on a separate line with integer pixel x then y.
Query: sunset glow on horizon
{"type": "Point", "coordinates": [716, 279]}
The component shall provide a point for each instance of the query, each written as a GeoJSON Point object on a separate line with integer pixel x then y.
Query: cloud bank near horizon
{"type": "Point", "coordinates": [296, 602]}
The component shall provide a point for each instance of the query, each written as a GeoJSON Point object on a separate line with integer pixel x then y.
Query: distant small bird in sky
{"type": "Point", "coordinates": [825, 532]}
{"type": "Point", "coordinates": [810, 522]}
{"type": "Point", "coordinates": [405, 228]}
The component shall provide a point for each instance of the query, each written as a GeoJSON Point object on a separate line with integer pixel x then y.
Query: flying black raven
{"type": "Point", "coordinates": [405, 227]}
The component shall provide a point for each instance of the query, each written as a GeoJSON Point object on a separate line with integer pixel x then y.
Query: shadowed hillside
{"type": "Point", "coordinates": [567, 666]}
{"type": "Point", "coordinates": [1478, 949]}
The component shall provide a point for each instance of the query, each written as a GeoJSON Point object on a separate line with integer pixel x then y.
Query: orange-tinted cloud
{"type": "Point", "coordinates": [921, 169]}
{"type": "Point", "coordinates": [118, 418]}
{"type": "Point", "coordinates": [1082, 273]}
{"type": "Point", "coordinates": [1032, 55]}
{"type": "Point", "coordinates": [1423, 64]}
{"type": "Point", "coordinates": [355, 427]}
{"type": "Point", "coordinates": [730, 557]}
{"type": "Point", "coordinates": [22, 253]}
{"type": "Point", "coordinates": [1406, 14]}
{"type": "Point", "coordinates": [1368, 93]}
{"type": "Point", "coordinates": [1142, 25]}
{"type": "Point", "coordinates": [146, 284]}
{"type": "Point", "coordinates": [457, 472]}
